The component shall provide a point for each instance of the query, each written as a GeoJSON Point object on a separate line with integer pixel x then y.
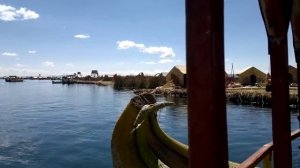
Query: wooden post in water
{"type": "Point", "coordinates": [206, 84]}
{"type": "Point", "coordinates": [276, 15]}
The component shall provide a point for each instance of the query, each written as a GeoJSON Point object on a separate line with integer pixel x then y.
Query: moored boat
{"type": "Point", "coordinates": [13, 79]}
{"type": "Point", "coordinates": [66, 80]}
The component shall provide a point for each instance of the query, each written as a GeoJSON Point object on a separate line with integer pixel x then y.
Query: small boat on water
{"type": "Point", "coordinates": [66, 80]}
{"type": "Point", "coordinates": [13, 79]}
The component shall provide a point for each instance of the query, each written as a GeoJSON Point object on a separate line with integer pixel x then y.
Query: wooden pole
{"type": "Point", "coordinates": [295, 23]}
{"type": "Point", "coordinates": [206, 83]}
{"type": "Point", "coordinates": [280, 105]}
{"type": "Point", "coordinates": [276, 15]}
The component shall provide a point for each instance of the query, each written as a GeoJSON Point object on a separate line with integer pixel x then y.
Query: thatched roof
{"type": "Point", "coordinates": [181, 68]}
{"type": "Point", "coordinates": [178, 75]}
{"type": "Point", "coordinates": [251, 69]}
{"type": "Point", "coordinates": [252, 75]}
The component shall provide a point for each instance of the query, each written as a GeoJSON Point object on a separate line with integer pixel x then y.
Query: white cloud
{"type": "Point", "coordinates": [164, 61]}
{"type": "Point", "coordinates": [126, 44]}
{"type": "Point", "coordinates": [9, 13]}
{"type": "Point", "coordinates": [69, 64]}
{"type": "Point", "coordinates": [82, 36]}
{"type": "Point", "coordinates": [164, 52]}
{"type": "Point", "coordinates": [48, 64]}
{"type": "Point", "coordinates": [32, 52]}
{"type": "Point", "coordinates": [120, 63]}
{"type": "Point", "coordinates": [178, 60]}
{"type": "Point", "coordinates": [9, 54]}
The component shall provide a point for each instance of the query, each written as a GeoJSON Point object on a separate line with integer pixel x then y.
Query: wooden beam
{"type": "Point", "coordinates": [280, 105]}
{"type": "Point", "coordinates": [206, 84]}
{"type": "Point", "coordinates": [277, 15]}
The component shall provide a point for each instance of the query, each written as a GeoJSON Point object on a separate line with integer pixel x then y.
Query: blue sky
{"type": "Point", "coordinates": [116, 36]}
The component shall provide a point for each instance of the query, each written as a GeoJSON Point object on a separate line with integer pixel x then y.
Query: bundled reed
{"type": "Point", "coordinates": [258, 97]}
{"type": "Point", "coordinates": [138, 82]}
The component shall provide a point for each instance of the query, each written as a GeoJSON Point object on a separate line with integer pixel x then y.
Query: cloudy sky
{"type": "Point", "coordinates": [116, 36]}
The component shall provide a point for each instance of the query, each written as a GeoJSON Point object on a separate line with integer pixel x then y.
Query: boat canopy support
{"type": "Point", "coordinates": [205, 73]}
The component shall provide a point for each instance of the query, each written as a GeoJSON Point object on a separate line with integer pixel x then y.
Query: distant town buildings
{"type": "Point", "coordinates": [94, 74]}
{"type": "Point", "coordinates": [79, 74]}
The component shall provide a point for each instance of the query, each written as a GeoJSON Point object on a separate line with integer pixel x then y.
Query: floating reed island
{"type": "Point", "coordinates": [257, 96]}
{"type": "Point", "coordinates": [98, 82]}
{"type": "Point", "coordinates": [168, 89]}
{"type": "Point", "coordinates": [180, 92]}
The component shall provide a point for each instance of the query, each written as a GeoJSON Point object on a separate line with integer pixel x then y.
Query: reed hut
{"type": "Point", "coordinates": [177, 75]}
{"type": "Point", "coordinates": [251, 76]}
{"type": "Point", "coordinates": [292, 74]}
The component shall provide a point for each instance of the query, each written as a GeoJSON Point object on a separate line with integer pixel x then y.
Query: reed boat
{"type": "Point", "coordinates": [138, 140]}
{"type": "Point", "coordinates": [13, 79]}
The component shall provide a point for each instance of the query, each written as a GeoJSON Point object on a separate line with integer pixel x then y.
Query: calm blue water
{"type": "Point", "coordinates": [70, 126]}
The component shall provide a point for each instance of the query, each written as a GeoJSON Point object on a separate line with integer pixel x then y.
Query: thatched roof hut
{"type": "Point", "coordinates": [292, 74]}
{"type": "Point", "coordinates": [251, 76]}
{"type": "Point", "coordinates": [178, 75]}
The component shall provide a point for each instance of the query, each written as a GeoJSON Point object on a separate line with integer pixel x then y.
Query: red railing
{"type": "Point", "coordinates": [265, 154]}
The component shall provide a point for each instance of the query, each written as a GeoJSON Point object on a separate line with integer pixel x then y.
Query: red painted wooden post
{"type": "Point", "coordinates": [206, 89]}
{"type": "Point", "coordinates": [276, 14]}
{"type": "Point", "coordinates": [295, 23]}
{"type": "Point", "coordinates": [280, 105]}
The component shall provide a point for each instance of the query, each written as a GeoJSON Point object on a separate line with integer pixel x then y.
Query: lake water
{"type": "Point", "coordinates": [70, 126]}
